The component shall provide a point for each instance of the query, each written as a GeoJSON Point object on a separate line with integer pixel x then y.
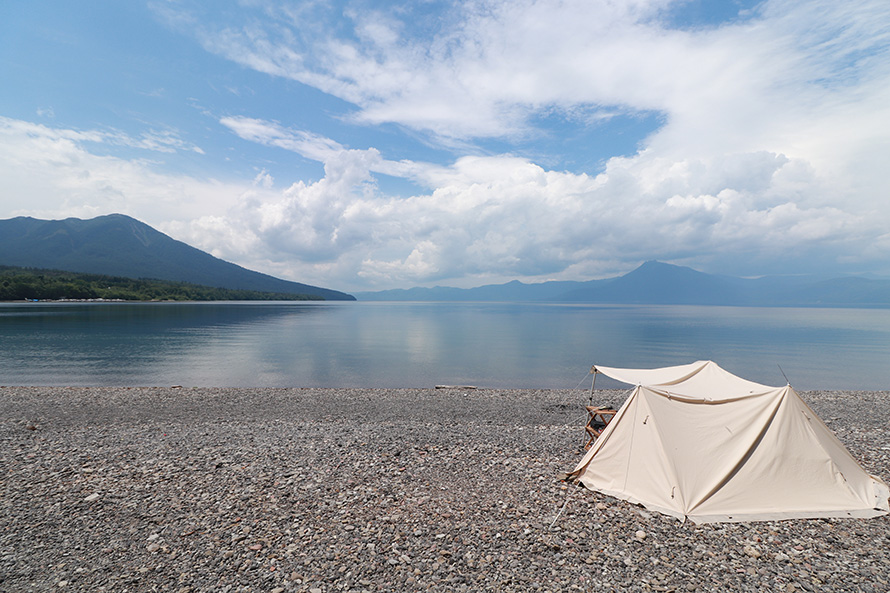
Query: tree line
{"type": "Point", "coordinates": [19, 284]}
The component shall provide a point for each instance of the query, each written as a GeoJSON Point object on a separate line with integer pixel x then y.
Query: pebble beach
{"type": "Point", "coordinates": [328, 490]}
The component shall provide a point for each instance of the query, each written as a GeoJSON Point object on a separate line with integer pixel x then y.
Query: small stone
{"type": "Point", "coordinates": [92, 497]}
{"type": "Point", "coordinates": [152, 547]}
{"type": "Point", "coordinates": [62, 583]}
{"type": "Point", "coordinates": [640, 534]}
{"type": "Point", "coordinates": [752, 551]}
{"type": "Point", "coordinates": [278, 590]}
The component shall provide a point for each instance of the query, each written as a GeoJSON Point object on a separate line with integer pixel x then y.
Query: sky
{"type": "Point", "coordinates": [366, 145]}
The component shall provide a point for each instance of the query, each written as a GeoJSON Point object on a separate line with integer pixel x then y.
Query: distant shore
{"type": "Point", "coordinates": [187, 489]}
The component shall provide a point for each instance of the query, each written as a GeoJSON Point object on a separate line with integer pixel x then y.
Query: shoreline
{"type": "Point", "coordinates": [308, 489]}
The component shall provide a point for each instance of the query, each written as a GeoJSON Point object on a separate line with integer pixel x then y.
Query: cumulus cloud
{"type": "Point", "coordinates": [502, 217]}
{"type": "Point", "coordinates": [486, 218]}
{"type": "Point", "coordinates": [769, 158]}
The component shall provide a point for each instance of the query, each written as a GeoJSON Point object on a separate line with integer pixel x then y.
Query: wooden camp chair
{"type": "Point", "coordinates": [597, 420]}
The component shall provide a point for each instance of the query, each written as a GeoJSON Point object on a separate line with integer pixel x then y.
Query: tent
{"type": "Point", "coordinates": [696, 442]}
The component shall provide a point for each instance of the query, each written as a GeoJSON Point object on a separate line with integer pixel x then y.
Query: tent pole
{"type": "Point", "coordinates": [589, 405]}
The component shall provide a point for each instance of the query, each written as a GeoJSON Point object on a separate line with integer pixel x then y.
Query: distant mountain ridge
{"type": "Point", "coordinates": [657, 283]}
{"type": "Point", "coordinates": [118, 245]}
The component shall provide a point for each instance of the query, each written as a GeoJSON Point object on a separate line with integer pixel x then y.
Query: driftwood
{"type": "Point", "coordinates": [455, 387]}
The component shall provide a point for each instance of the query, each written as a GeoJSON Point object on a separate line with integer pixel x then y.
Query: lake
{"type": "Point", "coordinates": [397, 344]}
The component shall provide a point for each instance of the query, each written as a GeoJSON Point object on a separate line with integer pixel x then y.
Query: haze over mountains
{"type": "Point", "coordinates": [117, 245]}
{"type": "Point", "coordinates": [656, 283]}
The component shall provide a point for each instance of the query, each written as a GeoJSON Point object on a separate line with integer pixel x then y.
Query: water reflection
{"type": "Point", "coordinates": [423, 344]}
{"type": "Point", "coordinates": [135, 343]}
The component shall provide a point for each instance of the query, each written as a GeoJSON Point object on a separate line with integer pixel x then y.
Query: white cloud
{"type": "Point", "coordinates": [487, 218]}
{"type": "Point", "coordinates": [806, 79]}
{"type": "Point", "coordinates": [490, 65]}
{"type": "Point", "coordinates": [771, 156]}
{"type": "Point", "coordinates": [56, 172]}
{"type": "Point", "coordinates": [264, 180]}
{"type": "Point", "coordinates": [501, 217]}
{"type": "Point", "coordinates": [318, 148]}
{"type": "Point", "coordinates": [307, 144]}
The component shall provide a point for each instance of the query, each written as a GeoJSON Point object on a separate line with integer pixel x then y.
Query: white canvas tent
{"type": "Point", "coordinates": [696, 442]}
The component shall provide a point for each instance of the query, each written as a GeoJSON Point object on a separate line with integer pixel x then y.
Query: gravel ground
{"type": "Point", "coordinates": [324, 490]}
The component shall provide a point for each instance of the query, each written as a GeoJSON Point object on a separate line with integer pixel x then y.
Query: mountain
{"type": "Point", "coordinates": [657, 283]}
{"type": "Point", "coordinates": [117, 245]}
{"type": "Point", "coordinates": [511, 291]}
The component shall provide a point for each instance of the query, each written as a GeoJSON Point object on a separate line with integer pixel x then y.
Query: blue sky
{"type": "Point", "coordinates": [368, 145]}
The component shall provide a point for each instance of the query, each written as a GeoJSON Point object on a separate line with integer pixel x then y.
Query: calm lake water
{"type": "Point", "coordinates": [505, 345]}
